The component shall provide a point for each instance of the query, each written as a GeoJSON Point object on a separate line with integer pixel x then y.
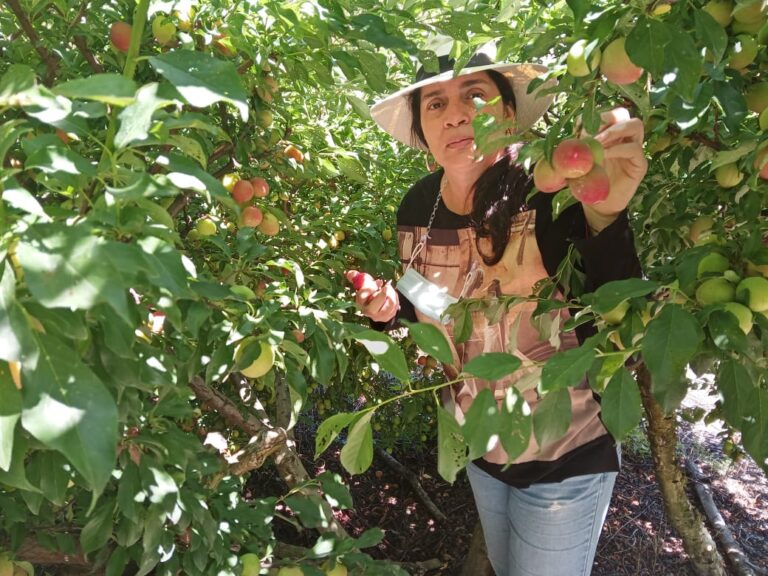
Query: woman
{"type": "Point", "coordinates": [469, 230]}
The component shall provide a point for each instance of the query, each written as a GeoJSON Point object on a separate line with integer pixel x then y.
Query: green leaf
{"type": "Point", "coordinates": [67, 408]}
{"type": "Point", "coordinates": [15, 333]}
{"type": "Point", "coordinates": [492, 365]}
{"type": "Point", "coordinates": [357, 453]}
{"type": "Point", "coordinates": [646, 44]}
{"type": "Point", "coordinates": [335, 490]}
{"type": "Point", "coordinates": [685, 61]}
{"type": "Point", "coordinates": [57, 160]}
{"type": "Point", "coordinates": [621, 406]}
{"type": "Point", "coordinates": [202, 79]}
{"type": "Point", "coordinates": [330, 429]}
{"type": "Point", "coordinates": [97, 532]}
{"type": "Point", "coordinates": [671, 339]}
{"type": "Point", "coordinates": [10, 132]}
{"type": "Point", "coordinates": [374, 68]}
{"type": "Point", "coordinates": [372, 28]}
{"type": "Point", "coordinates": [516, 424]}
{"type": "Point", "coordinates": [386, 352]}
{"type": "Point", "coordinates": [736, 386]}
{"type": "Point", "coordinates": [755, 430]}
{"type": "Point", "coordinates": [136, 119]}
{"type": "Point", "coordinates": [20, 198]}
{"type": "Point", "coordinates": [17, 80]}
{"type": "Point", "coordinates": [481, 424]}
{"type": "Point", "coordinates": [611, 294]}
{"type": "Point", "coordinates": [322, 359]}
{"type": "Point", "coordinates": [309, 509]}
{"type": "Point", "coordinates": [552, 417]}
{"type": "Point", "coordinates": [462, 322]}
{"type": "Point", "coordinates": [711, 34]}
{"type": "Point", "coordinates": [16, 476]}
{"type": "Point", "coordinates": [352, 168]}
{"type": "Point", "coordinates": [118, 560]}
{"type": "Point", "coordinates": [452, 453]}
{"type": "Point", "coordinates": [431, 340]}
{"type": "Point", "coordinates": [113, 89]}
{"type": "Point", "coordinates": [10, 412]}
{"type": "Point", "coordinates": [67, 267]}
{"type": "Point", "coordinates": [357, 104]}
{"type": "Point", "coordinates": [567, 368]}
{"type": "Point", "coordinates": [725, 332]}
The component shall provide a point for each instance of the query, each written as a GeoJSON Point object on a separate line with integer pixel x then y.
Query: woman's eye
{"type": "Point", "coordinates": [433, 105]}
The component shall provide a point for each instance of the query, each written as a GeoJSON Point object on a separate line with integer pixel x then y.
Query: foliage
{"type": "Point", "coordinates": [114, 298]}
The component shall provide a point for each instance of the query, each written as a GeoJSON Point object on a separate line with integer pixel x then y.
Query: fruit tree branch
{"type": "Point", "coordinates": [87, 54]}
{"type": "Point", "coordinates": [50, 59]}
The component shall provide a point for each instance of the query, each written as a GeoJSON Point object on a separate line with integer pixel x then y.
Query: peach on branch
{"type": "Point", "coordinates": [251, 217]}
{"type": "Point", "coordinates": [242, 191]}
{"type": "Point", "coordinates": [743, 52]}
{"type": "Point", "coordinates": [120, 35]}
{"type": "Point", "coordinates": [700, 229]}
{"type": "Point", "coordinates": [761, 162]}
{"type": "Point", "coordinates": [749, 12]}
{"type": "Point", "coordinates": [263, 362]}
{"type": "Point", "coordinates": [742, 313]}
{"type": "Point", "coordinates": [757, 97]}
{"type": "Point", "coordinates": [292, 152]}
{"type": "Point", "coordinates": [163, 29]}
{"type": "Point", "coordinates": [753, 291]}
{"type": "Point", "coordinates": [229, 180]}
{"type": "Point", "coordinates": [270, 225]}
{"type": "Point", "coordinates": [728, 175]}
{"type": "Point", "coordinates": [720, 10]}
{"type": "Point", "coordinates": [715, 291]}
{"type": "Point", "coordinates": [591, 188]}
{"type": "Point", "coordinates": [572, 158]}
{"type": "Point", "coordinates": [616, 66]}
{"type": "Point", "coordinates": [205, 227]}
{"type": "Point", "coordinates": [546, 178]}
{"type": "Point", "coordinates": [260, 187]}
{"type": "Point", "coordinates": [386, 234]}
{"type": "Point", "coordinates": [712, 263]}
{"type": "Point", "coordinates": [576, 60]}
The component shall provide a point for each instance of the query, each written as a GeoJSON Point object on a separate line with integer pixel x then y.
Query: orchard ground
{"type": "Point", "coordinates": [636, 540]}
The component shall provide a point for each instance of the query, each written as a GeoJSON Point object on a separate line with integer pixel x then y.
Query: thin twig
{"type": "Point", "coordinates": [50, 59]}
{"type": "Point", "coordinates": [87, 54]}
{"type": "Point", "coordinates": [413, 480]}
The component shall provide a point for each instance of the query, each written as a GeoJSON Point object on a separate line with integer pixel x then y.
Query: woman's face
{"type": "Point", "coordinates": [447, 110]}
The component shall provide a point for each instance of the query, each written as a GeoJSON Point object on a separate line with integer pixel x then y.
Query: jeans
{"type": "Point", "coordinates": [543, 530]}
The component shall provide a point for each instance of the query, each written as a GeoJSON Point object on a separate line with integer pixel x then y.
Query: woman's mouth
{"type": "Point", "coordinates": [460, 143]}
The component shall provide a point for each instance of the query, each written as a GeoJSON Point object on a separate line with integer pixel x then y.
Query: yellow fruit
{"type": "Point", "coordinates": [386, 234]}
{"type": "Point", "coordinates": [743, 52]}
{"type": "Point", "coordinates": [701, 229]}
{"type": "Point", "coordinates": [728, 175]}
{"type": "Point", "coordinates": [720, 10]}
{"type": "Point", "coordinates": [229, 181]}
{"type": "Point", "coordinates": [270, 225]}
{"type": "Point", "coordinates": [661, 9]}
{"type": "Point", "coordinates": [15, 369]}
{"type": "Point", "coordinates": [163, 29]}
{"type": "Point", "coordinates": [715, 291]}
{"type": "Point", "coordinates": [262, 364]}
{"type": "Point", "coordinates": [757, 269]}
{"type": "Point", "coordinates": [338, 570]}
{"type": "Point", "coordinates": [577, 59]}
{"type": "Point", "coordinates": [616, 314]}
{"type": "Point", "coordinates": [339, 235]}
{"type": "Point", "coordinates": [205, 227]}
{"type": "Point", "coordinates": [753, 291]}
{"type": "Point", "coordinates": [290, 571]}
{"type": "Point", "coordinates": [251, 564]}
{"type": "Point", "coordinates": [757, 97]}
{"type": "Point", "coordinates": [742, 313]}
{"type": "Point", "coordinates": [749, 13]}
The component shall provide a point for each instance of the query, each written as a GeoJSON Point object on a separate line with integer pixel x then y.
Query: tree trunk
{"type": "Point", "coordinates": [685, 519]}
{"type": "Point", "coordinates": [477, 563]}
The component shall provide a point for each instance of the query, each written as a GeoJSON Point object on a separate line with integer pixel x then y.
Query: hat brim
{"type": "Point", "coordinates": [393, 113]}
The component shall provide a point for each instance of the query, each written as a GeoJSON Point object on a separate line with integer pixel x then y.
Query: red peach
{"type": "Point", "coordinates": [120, 35]}
{"type": "Point", "coordinates": [591, 188]}
{"type": "Point", "coordinates": [572, 158]}
{"type": "Point", "coordinates": [242, 191]}
{"type": "Point", "coordinates": [260, 187]}
{"type": "Point", "coordinates": [616, 65]}
{"type": "Point", "coordinates": [251, 217]}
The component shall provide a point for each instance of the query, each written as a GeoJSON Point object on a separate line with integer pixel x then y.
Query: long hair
{"type": "Point", "coordinates": [500, 191]}
{"type": "Point", "coordinates": [499, 194]}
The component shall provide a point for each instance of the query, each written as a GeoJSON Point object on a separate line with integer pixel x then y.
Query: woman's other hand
{"type": "Point", "coordinates": [376, 299]}
{"type": "Point", "coordinates": [622, 139]}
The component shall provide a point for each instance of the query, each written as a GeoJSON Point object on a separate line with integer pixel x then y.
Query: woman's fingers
{"type": "Point", "coordinates": [631, 130]}
{"type": "Point", "coordinates": [382, 305]}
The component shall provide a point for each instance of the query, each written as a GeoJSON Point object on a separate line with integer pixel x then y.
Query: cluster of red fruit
{"type": "Point", "coordinates": [243, 192]}
{"type": "Point", "coordinates": [614, 62]}
{"type": "Point", "coordinates": [576, 163]}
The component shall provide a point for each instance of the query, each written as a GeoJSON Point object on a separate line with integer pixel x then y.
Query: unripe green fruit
{"type": "Point", "coordinates": [728, 175]}
{"type": "Point", "coordinates": [748, 13]}
{"type": "Point", "coordinates": [163, 29]}
{"type": "Point", "coordinates": [720, 10]}
{"type": "Point", "coordinates": [751, 28]}
{"type": "Point", "coordinates": [700, 229]}
{"type": "Point", "coordinates": [715, 291]}
{"type": "Point", "coordinates": [270, 225]}
{"type": "Point", "coordinates": [577, 59]}
{"type": "Point", "coordinates": [251, 564]}
{"type": "Point", "coordinates": [386, 234]}
{"type": "Point", "coordinates": [762, 120]}
{"type": "Point", "coordinates": [338, 570]}
{"type": "Point", "coordinates": [743, 52]}
{"type": "Point", "coordinates": [712, 263]}
{"type": "Point", "coordinates": [290, 571]}
{"type": "Point", "coordinates": [757, 97]}
{"type": "Point", "coordinates": [205, 227]}
{"type": "Point", "coordinates": [263, 362]}
{"type": "Point", "coordinates": [753, 292]}
{"type": "Point", "coordinates": [742, 313]}
{"type": "Point", "coordinates": [616, 314]}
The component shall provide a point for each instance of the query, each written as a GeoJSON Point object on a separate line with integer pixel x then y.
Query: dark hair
{"type": "Point", "coordinates": [414, 103]}
{"type": "Point", "coordinates": [500, 191]}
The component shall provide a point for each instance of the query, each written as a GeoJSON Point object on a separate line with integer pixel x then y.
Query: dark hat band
{"type": "Point", "coordinates": [447, 64]}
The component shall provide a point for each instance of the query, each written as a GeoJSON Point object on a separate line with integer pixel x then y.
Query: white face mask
{"type": "Point", "coordinates": [428, 298]}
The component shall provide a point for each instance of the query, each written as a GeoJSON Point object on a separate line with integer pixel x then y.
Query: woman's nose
{"type": "Point", "coordinates": [459, 113]}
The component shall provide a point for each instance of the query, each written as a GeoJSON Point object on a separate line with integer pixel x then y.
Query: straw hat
{"type": "Point", "coordinates": [393, 114]}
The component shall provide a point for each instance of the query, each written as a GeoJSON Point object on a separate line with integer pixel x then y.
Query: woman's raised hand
{"type": "Point", "coordinates": [376, 299]}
